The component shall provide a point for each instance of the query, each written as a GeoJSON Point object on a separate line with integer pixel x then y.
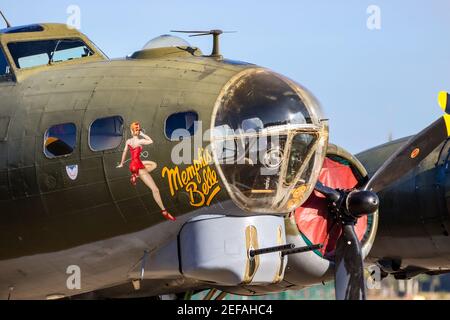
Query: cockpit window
{"type": "Point", "coordinates": [60, 140]}
{"type": "Point", "coordinates": [30, 54]}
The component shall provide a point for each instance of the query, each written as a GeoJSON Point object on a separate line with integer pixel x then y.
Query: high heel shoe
{"type": "Point", "coordinates": [167, 215]}
{"type": "Point", "coordinates": [133, 179]}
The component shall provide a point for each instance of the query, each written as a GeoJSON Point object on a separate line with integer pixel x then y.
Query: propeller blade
{"type": "Point", "coordinates": [443, 101]}
{"type": "Point", "coordinates": [348, 269]}
{"type": "Point", "coordinates": [203, 32]}
{"type": "Point", "coordinates": [199, 34]}
{"type": "Point", "coordinates": [330, 193]}
{"type": "Point", "coordinates": [208, 33]}
{"type": "Point", "coordinates": [191, 31]}
{"type": "Point", "coordinates": [411, 154]}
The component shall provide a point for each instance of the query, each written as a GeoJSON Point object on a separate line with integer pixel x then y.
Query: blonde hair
{"type": "Point", "coordinates": [135, 128]}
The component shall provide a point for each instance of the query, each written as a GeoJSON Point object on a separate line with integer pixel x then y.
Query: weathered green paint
{"type": "Point", "coordinates": [42, 209]}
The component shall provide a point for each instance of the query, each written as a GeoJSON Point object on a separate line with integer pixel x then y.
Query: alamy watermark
{"type": "Point", "coordinates": [374, 19]}
{"type": "Point", "coordinates": [250, 145]}
{"type": "Point", "coordinates": [373, 281]}
{"type": "Point", "coordinates": [73, 282]}
{"type": "Point", "coordinates": [74, 19]}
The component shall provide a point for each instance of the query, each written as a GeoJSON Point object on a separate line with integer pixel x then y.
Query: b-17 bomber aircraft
{"type": "Point", "coordinates": [171, 172]}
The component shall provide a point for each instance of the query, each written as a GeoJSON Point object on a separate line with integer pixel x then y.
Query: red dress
{"type": "Point", "coordinates": [135, 163]}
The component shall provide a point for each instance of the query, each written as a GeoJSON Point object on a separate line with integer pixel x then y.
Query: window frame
{"type": "Point", "coordinates": [178, 112]}
{"type": "Point", "coordinates": [106, 117]}
{"type": "Point", "coordinates": [65, 155]}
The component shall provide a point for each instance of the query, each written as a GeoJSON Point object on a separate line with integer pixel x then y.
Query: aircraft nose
{"type": "Point", "coordinates": [269, 141]}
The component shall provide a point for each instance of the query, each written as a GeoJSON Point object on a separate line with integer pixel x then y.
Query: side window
{"type": "Point", "coordinates": [60, 140]}
{"type": "Point", "coordinates": [5, 72]}
{"type": "Point", "coordinates": [106, 133]}
{"type": "Point", "coordinates": [180, 125]}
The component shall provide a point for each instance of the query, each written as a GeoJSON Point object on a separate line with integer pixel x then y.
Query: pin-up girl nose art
{"type": "Point", "coordinates": [141, 169]}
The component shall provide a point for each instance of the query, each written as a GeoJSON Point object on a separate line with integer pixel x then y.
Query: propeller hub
{"type": "Point", "coordinates": [361, 203]}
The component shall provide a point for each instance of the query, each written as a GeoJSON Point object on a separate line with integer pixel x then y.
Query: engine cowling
{"type": "Point", "coordinates": [311, 223]}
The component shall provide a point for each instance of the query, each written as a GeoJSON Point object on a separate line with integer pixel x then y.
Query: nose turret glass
{"type": "Point", "coordinates": [268, 141]}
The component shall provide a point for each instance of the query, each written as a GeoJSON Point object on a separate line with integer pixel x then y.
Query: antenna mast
{"type": "Point", "coordinates": [8, 25]}
{"type": "Point", "coordinates": [215, 33]}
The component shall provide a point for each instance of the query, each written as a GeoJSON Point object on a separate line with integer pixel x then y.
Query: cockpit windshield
{"type": "Point", "coordinates": [28, 54]}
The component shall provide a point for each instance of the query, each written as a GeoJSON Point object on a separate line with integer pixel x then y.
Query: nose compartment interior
{"type": "Point", "coordinates": [268, 142]}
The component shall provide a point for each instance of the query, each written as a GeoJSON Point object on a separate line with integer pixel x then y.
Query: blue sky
{"type": "Point", "coordinates": [370, 82]}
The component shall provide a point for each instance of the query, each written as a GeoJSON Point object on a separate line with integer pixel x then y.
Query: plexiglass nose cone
{"type": "Point", "coordinates": [268, 141]}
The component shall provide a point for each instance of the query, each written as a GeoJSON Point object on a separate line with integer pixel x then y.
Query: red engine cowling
{"type": "Point", "coordinates": [311, 223]}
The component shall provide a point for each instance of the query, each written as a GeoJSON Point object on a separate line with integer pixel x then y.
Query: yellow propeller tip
{"type": "Point", "coordinates": [443, 101]}
{"type": "Point", "coordinates": [447, 123]}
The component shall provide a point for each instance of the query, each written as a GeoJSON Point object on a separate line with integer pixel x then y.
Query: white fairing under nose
{"type": "Point", "coordinates": [215, 250]}
{"type": "Point", "coordinates": [269, 140]}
